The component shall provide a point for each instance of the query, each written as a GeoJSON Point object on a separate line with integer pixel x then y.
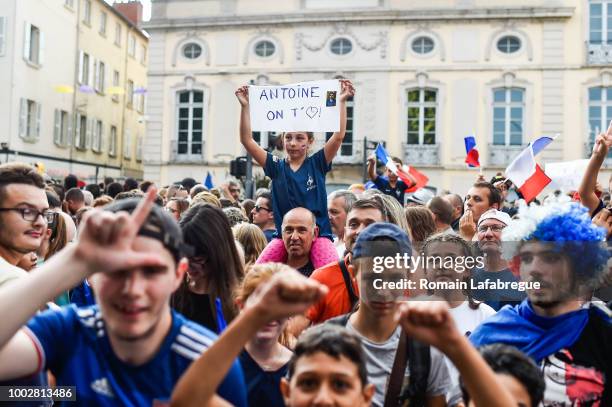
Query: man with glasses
{"type": "Point", "coordinates": [489, 231]}
{"type": "Point", "coordinates": [263, 216]}
{"type": "Point", "coordinates": [24, 214]}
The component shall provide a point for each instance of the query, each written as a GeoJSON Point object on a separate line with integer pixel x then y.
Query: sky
{"type": "Point", "coordinates": [146, 5]}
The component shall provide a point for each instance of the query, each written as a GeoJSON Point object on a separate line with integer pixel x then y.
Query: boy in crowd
{"type": "Point", "coordinates": [131, 348]}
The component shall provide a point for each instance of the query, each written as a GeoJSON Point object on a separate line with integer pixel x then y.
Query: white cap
{"type": "Point", "coordinates": [500, 216]}
{"type": "Point", "coordinates": [421, 197]}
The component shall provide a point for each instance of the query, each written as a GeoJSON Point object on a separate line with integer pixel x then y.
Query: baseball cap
{"type": "Point", "coordinates": [421, 197]}
{"type": "Point", "coordinates": [500, 216]}
{"type": "Point", "coordinates": [159, 226]}
{"type": "Point", "coordinates": [382, 239]}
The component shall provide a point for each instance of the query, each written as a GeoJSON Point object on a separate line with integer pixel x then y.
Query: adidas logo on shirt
{"type": "Point", "coordinates": [102, 387]}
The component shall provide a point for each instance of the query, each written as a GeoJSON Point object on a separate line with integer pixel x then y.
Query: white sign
{"type": "Point", "coordinates": [567, 175]}
{"type": "Point", "coordinates": [305, 106]}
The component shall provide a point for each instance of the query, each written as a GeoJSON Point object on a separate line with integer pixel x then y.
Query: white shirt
{"type": "Point", "coordinates": [340, 248]}
{"type": "Point", "coordinates": [9, 272]}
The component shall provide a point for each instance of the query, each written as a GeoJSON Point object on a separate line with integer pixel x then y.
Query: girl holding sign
{"type": "Point", "coordinates": [297, 180]}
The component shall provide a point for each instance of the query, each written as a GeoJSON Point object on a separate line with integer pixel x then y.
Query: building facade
{"type": "Point", "coordinates": [427, 74]}
{"type": "Point", "coordinates": [76, 87]}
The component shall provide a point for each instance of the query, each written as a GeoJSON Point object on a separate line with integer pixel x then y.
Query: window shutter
{"type": "Point", "coordinates": [57, 128]}
{"type": "Point", "coordinates": [67, 139]}
{"type": "Point", "coordinates": [41, 47]}
{"type": "Point", "coordinates": [96, 77]}
{"type": "Point", "coordinates": [38, 114]}
{"type": "Point", "coordinates": [77, 131]}
{"type": "Point", "coordinates": [92, 67]}
{"type": "Point", "coordinates": [2, 35]}
{"type": "Point", "coordinates": [90, 123]}
{"type": "Point", "coordinates": [102, 78]}
{"type": "Point", "coordinates": [101, 137]}
{"type": "Point", "coordinates": [80, 67]}
{"type": "Point", "coordinates": [26, 41]}
{"type": "Point", "coordinates": [23, 117]}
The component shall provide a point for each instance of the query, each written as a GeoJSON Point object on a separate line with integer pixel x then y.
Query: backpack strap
{"type": "Point", "coordinates": [420, 364]}
{"type": "Point", "coordinates": [398, 371]}
{"type": "Point", "coordinates": [348, 282]}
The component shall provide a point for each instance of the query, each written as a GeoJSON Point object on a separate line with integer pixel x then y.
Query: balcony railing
{"type": "Point", "coordinates": [421, 154]}
{"type": "Point", "coordinates": [184, 158]}
{"type": "Point", "coordinates": [501, 156]}
{"type": "Point", "coordinates": [599, 54]}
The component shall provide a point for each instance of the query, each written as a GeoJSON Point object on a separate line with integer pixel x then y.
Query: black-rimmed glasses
{"type": "Point", "coordinates": [30, 214]}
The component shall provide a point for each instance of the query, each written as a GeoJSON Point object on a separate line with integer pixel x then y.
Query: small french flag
{"type": "Point", "coordinates": [525, 172]}
{"type": "Point", "coordinates": [471, 157]}
{"type": "Point", "coordinates": [409, 175]}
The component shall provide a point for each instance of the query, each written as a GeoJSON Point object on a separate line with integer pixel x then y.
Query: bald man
{"type": "Point", "coordinates": [299, 230]}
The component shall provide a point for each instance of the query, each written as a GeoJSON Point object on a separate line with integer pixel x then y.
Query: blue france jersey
{"type": "Point", "coordinates": [302, 188]}
{"type": "Point", "coordinates": [73, 344]}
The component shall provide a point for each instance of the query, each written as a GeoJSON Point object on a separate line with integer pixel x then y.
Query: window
{"type": "Point", "coordinates": [132, 45]}
{"type": "Point", "coordinates": [600, 110]}
{"type": "Point", "coordinates": [69, 3]}
{"type": "Point", "coordinates": [347, 144]}
{"type": "Point", "coordinates": [87, 12]}
{"type": "Point", "coordinates": [508, 116]}
{"type": "Point", "coordinates": [82, 132]}
{"type": "Point", "coordinates": [33, 44]}
{"type": "Point", "coordinates": [63, 128]}
{"type": "Point", "coordinates": [115, 85]}
{"type": "Point", "coordinates": [118, 34]}
{"type": "Point", "coordinates": [139, 148]}
{"type": "Point", "coordinates": [98, 134]}
{"type": "Point", "coordinates": [100, 77]}
{"type": "Point", "coordinates": [127, 144]}
{"type": "Point", "coordinates": [112, 142]}
{"type": "Point", "coordinates": [422, 45]}
{"type": "Point", "coordinates": [130, 93]}
{"type": "Point", "coordinates": [600, 22]}
{"type": "Point", "coordinates": [103, 23]}
{"type": "Point", "coordinates": [143, 54]}
{"type": "Point", "coordinates": [192, 50]}
{"type": "Point", "coordinates": [190, 116]}
{"type": "Point", "coordinates": [341, 46]}
{"type": "Point", "coordinates": [422, 105]}
{"type": "Point", "coordinates": [265, 48]}
{"type": "Point", "coordinates": [2, 35]}
{"type": "Point", "coordinates": [509, 44]}
{"type": "Point", "coordinates": [84, 68]}
{"type": "Point", "coordinates": [141, 99]}
{"type": "Point", "coordinates": [29, 119]}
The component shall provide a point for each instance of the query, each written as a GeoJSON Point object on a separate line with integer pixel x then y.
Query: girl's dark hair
{"type": "Point", "coordinates": [207, 230]}
{"type": "Point", "coordinates": [332, 340]}
{"type": "Point", "coordinates": [505, 359]}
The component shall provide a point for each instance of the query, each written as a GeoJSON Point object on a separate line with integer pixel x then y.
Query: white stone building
{"type": "Point", "coordinates": [427, 74]}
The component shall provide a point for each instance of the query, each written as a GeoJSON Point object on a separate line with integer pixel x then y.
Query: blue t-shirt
{"type": "Point", "coordinates": [73, 344]}
{"type": "Point", "coordinates": [302, 188]}
{"type": "Point", "coordinates": [398, 192]}
{"type": "Point", "coordinates": [263, 386]}
{"type": "Point", "coordinates": [269, 234]}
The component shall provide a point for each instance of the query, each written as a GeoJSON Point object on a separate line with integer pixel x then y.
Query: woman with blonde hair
{"type": "Point", "coordinates": [252, 239]}
{"type": "Point", "coordinates": [265, 357]}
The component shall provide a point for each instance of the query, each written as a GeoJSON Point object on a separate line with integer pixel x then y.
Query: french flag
{"type": "Point", "coordinates": [525, 173]}
{"type": "Point", "coordinates": [408, 174]}
{"type": "Point", "coordinates": [471, 157]}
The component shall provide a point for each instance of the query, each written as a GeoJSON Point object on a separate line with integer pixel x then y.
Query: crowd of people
{"type": "Point", "coordinates": [138, 294]}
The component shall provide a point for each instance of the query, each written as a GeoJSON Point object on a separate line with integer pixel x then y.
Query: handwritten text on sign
{"type": "Point", "coordinates": [305, 106]}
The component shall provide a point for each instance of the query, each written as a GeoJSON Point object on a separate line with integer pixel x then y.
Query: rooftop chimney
{"type": "Point", "coordinates": [131, 9]}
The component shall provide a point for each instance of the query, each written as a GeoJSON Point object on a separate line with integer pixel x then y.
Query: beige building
{"type": "Point", "coordinates": [427, 74]}
{"type": "Point", "coordinates": [81, 105]}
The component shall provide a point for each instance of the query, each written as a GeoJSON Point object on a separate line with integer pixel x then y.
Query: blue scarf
{"type": "Point", "coordinates": [534, 335]}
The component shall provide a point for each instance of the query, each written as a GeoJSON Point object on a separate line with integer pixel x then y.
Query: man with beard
{"type": "Point", "coordinates": [129, 349]}
{"type": "Point", "coordinates": [343, 293]}
{"type": "Point", "coordinates": [561, 250]}
{"type": "Point", "coordinates": [490, 227]}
